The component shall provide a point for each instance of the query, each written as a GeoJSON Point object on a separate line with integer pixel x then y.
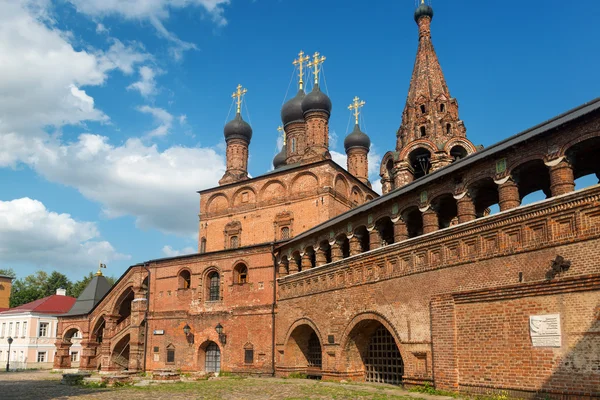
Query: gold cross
{"type": "Point", "coordinates": [239, 94]}
{"type": "Point", "coordinates": [315, 64]}
{"type": "Point", "coordinates": [300, 61]}
{"type": "Point", "coordinates": [281, 130]}
{"type": "Point", "coordinates": [356, 106]}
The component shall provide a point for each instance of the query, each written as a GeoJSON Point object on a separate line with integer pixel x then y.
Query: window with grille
{"type": "Point", "coordinates": [248, 356]}
{"type": "Point", "coordinates": [213, 358]}
{"type": "Point", "coordinates": [314, 351]}
{"type": "Point", "coordinates": [384, 362]}
{"type": "Point", "coordinates": [285, 233]}
{"type": "Point", "coordinates": [75, 356]}
{"type": "Point", "coordinates": [170, 354]}
{"type": "Point", "coordinates": [234, 242]}
{"type": "Point", "coordinates": [214, 286]}
{"type": "Point", "coordinates": [41, 356]}
{"type": "Point", "coordinates": [43, 332]}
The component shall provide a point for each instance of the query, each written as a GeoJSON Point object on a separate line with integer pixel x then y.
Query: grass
{"type": "Point", "coordinates": [428, 389]}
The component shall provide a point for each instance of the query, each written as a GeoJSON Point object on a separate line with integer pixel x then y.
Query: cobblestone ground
{"type": "Point", "coordinates": [44, 385]}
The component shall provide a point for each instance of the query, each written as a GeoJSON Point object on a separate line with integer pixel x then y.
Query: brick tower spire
{"type": "Point", "coordinates": [357, 145]}
{"type": "Point", "coordinates": [237, 136]}
{"type": "Point", "coordinates": [431, 134]}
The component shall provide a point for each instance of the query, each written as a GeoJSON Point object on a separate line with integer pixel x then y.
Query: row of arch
{"type": "Point", "coordinates": [532, 179]}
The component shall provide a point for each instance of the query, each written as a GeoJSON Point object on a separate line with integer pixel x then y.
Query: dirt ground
{"type": "Point", "coordinates": [44, 385]}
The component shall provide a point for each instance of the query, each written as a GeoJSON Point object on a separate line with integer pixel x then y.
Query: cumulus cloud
{"type": "Point", "coordinates": [30, 233]}
{"type": "Point", "coordinates": [147, 83]}
{"type": "Point", "coordinates": [171, 252]}
{"type": "Point", "coordinates": [156, 12]}
{"type": "Point", "coordinates": [162, 117]}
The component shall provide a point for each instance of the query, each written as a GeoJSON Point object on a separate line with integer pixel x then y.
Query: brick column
{"type": "Point", "coordinates": [561, 177]}
{"type": "Point", "coordinates": [282, 269]}
{"type": "Point", "coordinates": [306, 261]}
{"type": "Point", "coordinates": [400, 230]}
{"type": "Point", "coordinates": [293, 266]}
{"type": "Point", "coordinates": [355, 246]}
{"type": "Point", "coordinates": [430, 221]}
{"type": "Point", "coordinates": [508, 194]}
{"type": "Point", "coordinates": [465, 207]}
{"type": "Point", "coordinates": [320, 257]}
{"type": "Point", "coordinates": [336, 252]}
{"type": "Point", "coordinates": [87, 360]}
{"type": "Point", "coordinates": [62, 358]}
{"type": "Point", "coordinates": [374, 239]}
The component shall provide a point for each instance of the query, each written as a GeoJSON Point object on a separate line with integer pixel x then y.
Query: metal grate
{"type": "Point", "coordinates": [214, 287]}
{"type": "Point", "coordinates": [314, 351]}
{"type": "Point", "coordinates": [213, 358]}
{"type": "Point", "coordinates": [384, 362]}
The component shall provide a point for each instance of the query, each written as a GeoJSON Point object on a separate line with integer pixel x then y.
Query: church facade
{"type": "Point", "coordinates": [307, 270]}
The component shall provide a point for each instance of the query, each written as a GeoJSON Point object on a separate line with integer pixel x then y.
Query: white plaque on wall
{"type": "Point", "coordinates": [545, 330]}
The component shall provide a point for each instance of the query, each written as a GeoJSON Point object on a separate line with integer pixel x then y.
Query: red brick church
{"type": "Point", "coordinates": [306, 269]}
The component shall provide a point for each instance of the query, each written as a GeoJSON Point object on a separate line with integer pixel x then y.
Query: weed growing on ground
{"type": "Point", "coordinates": [297, 375]}
{"type": "Point", "coordinates": [428, 389]}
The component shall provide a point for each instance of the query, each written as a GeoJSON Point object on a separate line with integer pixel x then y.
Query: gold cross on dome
{"type": "Point", "coordinates": [315, 64]}
{"type": "Point", "coordinates": [281, 130]}
{"type": "Point", "coordinates": [299, 62]}
{"type": "Point", "coordinates": [356, 105]}
{"type": "Point", "coordinates": [238, 95]}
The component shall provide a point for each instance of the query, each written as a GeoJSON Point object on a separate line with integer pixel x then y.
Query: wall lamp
{"type": "Point", "coordinates": [222, 336]}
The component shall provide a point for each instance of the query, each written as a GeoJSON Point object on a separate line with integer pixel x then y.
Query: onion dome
{"type": "Point", "coordinates": [292, 110]}
{"type": "Point", "coordinates": [316, 101]}
{"type": "Point", "coordinates": [237, 128]}
{"type": "Point", "coordinates": [422, 11]}
{"type": "Point", "coordinates": [279, 160]}
{"type": "Point", "coordinates": [357, 138]}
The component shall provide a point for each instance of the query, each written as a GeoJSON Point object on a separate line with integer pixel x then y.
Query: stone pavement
{"type": "Point", "coordinates": [44, 385]}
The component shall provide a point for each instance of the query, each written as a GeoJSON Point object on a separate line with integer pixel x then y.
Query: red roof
{"type": "Point", "coordinates": [54, 304]}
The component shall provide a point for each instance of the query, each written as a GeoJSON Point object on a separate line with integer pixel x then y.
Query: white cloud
{"type": "Point", "coordinates": [147, 83]}
{"type": "Point", "coordinates": [155, 12]}
{"type": "Point", "coordinates": [162, 117]}
{"type": "Point", "coordinates": [30, 233]}
{"type": "Point", "coordinates": [123, 57]}
{"type": "Point", "coordinates": [171, 252]}
{"type": "Point", "coordinates": [101, 29]}
{"type": "Point", "coordinates": [374, 159]}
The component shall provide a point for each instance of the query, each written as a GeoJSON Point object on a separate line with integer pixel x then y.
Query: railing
{"type": "Point", "coordinates": [121, 326]}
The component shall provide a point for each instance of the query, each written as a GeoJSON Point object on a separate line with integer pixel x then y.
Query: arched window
{"type": "Point", "coordinates": [234, 242]}
{"type": "Point", "coordinates": [293, 145]}
{"type": "Point", "coordinates": [203, 245]}
{"type": "Point", "coordinates": [423, 109]}
{"type": "Point", "coordinates": [423, 131]}
{"type": "Point", "coordinates": [241, 274]}
{"type": "Point", "coordinates": [285, 233]}
{"type": "Point", "coordinates": [448, 128]}
{"type": "Point", "coordinates": [185, 279]}
{"type": "Point", "coordinates": [442, 107]}
{"type": "Point", "coordinates": [170, 354]}
{"type": "Point", "coordinates": [248, 354]}
{"type": "Point", "coordinates": [214, 286]}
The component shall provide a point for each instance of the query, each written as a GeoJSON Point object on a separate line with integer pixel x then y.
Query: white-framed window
{"type": "Point", "coordinates": [1, 354]}
{"type": "Point", "coordinates": [75, 356]}
{"type": "Point", "coordinates": [3, 329]}
{"type": "Point", "coordinates": [41, 356]}
{"type": "Point", "coordinates": [22, 356]}
{"type": "Point", "coordinates": [24, 334]}
{"type": "Point", "coordinates": [10, 324]}
{"type": "Point", "coordinates": [17, 326]}
{"type": "Point", "coordinates": [44, 329]}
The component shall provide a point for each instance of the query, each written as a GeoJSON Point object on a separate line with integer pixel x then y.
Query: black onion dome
{"type": "Point", "coordinates": [316, 101]}
{"type": "Point", "coordinates": [292, 110]}
{"type": "Point", "coordinates": [237, 128]}
{"type": "Point", "coordinates": [422, 11]}
{"type": "Point", "coordinates": [357, 138]}
{"type": "Point", "coordinates": [279, 160]}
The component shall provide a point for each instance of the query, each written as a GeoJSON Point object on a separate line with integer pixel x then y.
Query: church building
{"type": "Point", "coordinates": [306, 269]}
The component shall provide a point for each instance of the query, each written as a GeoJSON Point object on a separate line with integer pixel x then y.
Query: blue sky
{"type": "Point", "coordinates": [111, 111]}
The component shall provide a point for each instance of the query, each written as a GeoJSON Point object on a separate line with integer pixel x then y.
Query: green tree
{"type": "Point", "coordinates": [78, 286]}
{"type": "Point", "coordinates": [8, 272]}
{"type": "Point", "coordinates": [56, 280]}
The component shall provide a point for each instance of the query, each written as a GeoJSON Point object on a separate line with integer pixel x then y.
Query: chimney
{"type": "Point", "coordinates": [61, 292]}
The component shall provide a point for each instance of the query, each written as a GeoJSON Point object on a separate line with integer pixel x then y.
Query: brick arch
{"type": "Point", "coordinates": [341, 185]}
{"type": "Point", "coordinates": [466, 144]}
{"type": "Point", "coordinates": [299, 322]}
{"type": "Point", "coordinates": [576, 140]}
{"type": "Point", "coordinates": [386, 158]}
{"type": "Point", "coordinates": [273, 189]}
{"type": "Point", "coordinates": [359, 195]}
{"type": "Point", "coordinates": [420, 143]}
{"type": "Point", "coordinates": [70, 327]}
{"type": "Point", "coordinates": [217, 203]}
{"type": "Point", "coordinates": [519, 161]}
{"type": "Point", "coordinates": [118, 299]}
{"type": "Point", "coordinates": [236, 200]}
{"type": "Point", "coordinates": [307, 179]}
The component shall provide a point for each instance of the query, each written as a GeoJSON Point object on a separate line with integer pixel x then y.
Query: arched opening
{"type": "Point", "coordinates": [423, 131]}
{"type": "Point", "coordinates": [457, 152]}
{"type": "Point", "coordinates": [533, 180]}
{"type": "Point", "coordinates": [311, 255]}
{"type": "Point", "coordinates": [120, 353]}
{"type": "Point", "coordinates": [447, 210]}
{"type": "Point", "coordinates": [584, 159]}
{"type": "Point", "coordinates": [234, 242]}
{"type": "Point", "coordinates": [297, 259]}
{"type": "Point", "coordinates": [285, 233]}
{"type": "Point", "coordinates": [484, 193]}
{"type": "Point", "coordinates": [98, 331]}
{"type": "Point", "coordinates": [326, 248]}
{"type": "Point", "coordinates": [203, 245]}
{"type": "Point", "coordinates": [414, 221]}
{"type": "Point", "coordinates": [385, 227]}
{"type": "Point", "coordinates": [212, 358]}
{"type": "Point", "coordinates": [372, 349]}
{"type": "Point", "coordinates": [420, 161]}
{"type": "Point", "coordinates": [448, 129]}
{"type": "Point", "coordinates": [213, 286]}
{"type": "Point", "coordinates": [363, 237]}
{"type": "Point", "coordinates": [423, 109]}
{"type": "Point", "coordinates": [344, 243]}
{"type": "Point", "coordinates": [240, 274]}
{"type": "Point", "coordinates": [442, 107]}
{"type": "Point", "coordinates": [184, 279]}
{"type": "Point", "coordinates": [124, 305]}
{"type": "Point", "coordinates": [303, 351]}
{"type": "Point", "coordinates": [145, 284]}
{"type": "Point", "coordinates": [389, 167]}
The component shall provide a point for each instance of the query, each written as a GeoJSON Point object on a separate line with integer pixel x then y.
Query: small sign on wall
{"type": "Point", "coordinates": [159, 332]}
{"type": "Point", "coordinates": [545, 330]}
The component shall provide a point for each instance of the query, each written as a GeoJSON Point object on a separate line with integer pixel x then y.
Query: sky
{"type": "Point", "coordinates": [112, 111]}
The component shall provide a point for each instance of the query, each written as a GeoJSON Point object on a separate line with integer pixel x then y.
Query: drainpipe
{"type": "Point", "coordinates": [273, 309]}
{"type": "Point", "coordinates": [146, 316]}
